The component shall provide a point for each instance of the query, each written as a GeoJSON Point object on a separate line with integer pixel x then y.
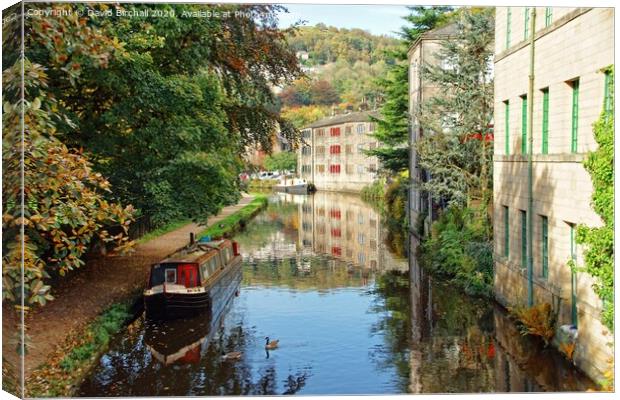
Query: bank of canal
{"type": "Point", "coordinates": [351, 318]}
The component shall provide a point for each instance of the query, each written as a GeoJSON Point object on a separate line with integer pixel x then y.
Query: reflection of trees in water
{"type": "Point", "coordinates": [131, 370]}
{"type": "Point", "coordinates": [277, 218]}
{"type": "Point", "coordinates": [393, 305]}
{"type": "Point", "coordinates": [396, 240]}
{"type": "Point", "coordinates": [455, 339]}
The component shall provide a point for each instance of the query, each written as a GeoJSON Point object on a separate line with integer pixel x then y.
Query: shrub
{"type": "Point", "coordinates": [460, 248]}
{"type": "Point", "coordinates": [537, 320]}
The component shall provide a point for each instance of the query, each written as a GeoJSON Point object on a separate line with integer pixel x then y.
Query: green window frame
{"type": "Point", "coordinates": [508, 18]}
{"type": "Point", "coordinates": [523, 238]}
{"type": "Point", "coordinates": [507, 126]}
{"type": "Point", "coordinates": [545, 246]}
{"type": "Point", "coordinates": [524, 124]}
{"type": "Point", "coordinates": [526, 30]}
{"type": "Point", "coordinates": [545, 122]}
{"type": "Point", "coordinates": [574, 116]}
{"type": "Point", "coordinates": [609, 90]}
{"type": "Point", "coordinates": [548, 16]}
{"type": "Point", "coordinates": [506, 232]}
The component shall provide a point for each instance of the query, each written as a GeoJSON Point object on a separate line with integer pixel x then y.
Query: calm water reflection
{"type": "Point", "coordinates": [350, 317]}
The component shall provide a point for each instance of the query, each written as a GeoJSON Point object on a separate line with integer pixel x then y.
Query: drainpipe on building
{"type": "Point", "coordinates": [530, 169]}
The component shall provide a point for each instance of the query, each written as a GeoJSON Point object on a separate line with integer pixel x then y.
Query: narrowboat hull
{"type": "Point", "coordinates": [212, 300]}
{"type": "Point", "coordinates": [293, 189]}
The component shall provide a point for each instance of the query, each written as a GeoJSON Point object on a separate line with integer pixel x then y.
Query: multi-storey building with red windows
{"type": "Point", "coordinates": [333, 153]}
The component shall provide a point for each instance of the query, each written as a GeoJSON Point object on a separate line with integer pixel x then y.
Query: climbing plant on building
{"type": "Point", "coordinates": [599, 241]}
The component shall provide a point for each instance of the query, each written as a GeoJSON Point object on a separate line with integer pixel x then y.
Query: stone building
{"type": "Point", "coordinates": [573, 47]}
{"type": "Point", "coordinates": [332, 153]}
{"type": "Point", "coordinates": [255, 154]}
{"type": "Point", "coordinates": [422, 52]}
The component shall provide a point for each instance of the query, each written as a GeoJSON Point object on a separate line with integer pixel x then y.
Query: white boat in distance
{"type": "Point", "coordinates": [294, 185]}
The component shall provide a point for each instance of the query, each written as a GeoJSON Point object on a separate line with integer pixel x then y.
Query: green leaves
{"type": "Point", "coordinates": [64, 209]}
{"type": "Point", "coordinates": [599, 241]}
{"type": "Point", "coordinates": [285, 160]}
{"type": "Point", "coordinates": [460, 167]}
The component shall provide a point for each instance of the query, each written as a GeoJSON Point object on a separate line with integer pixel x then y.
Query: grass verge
{"type": "Point", "coordinates": [234, 222]}
{"type": "Point", "coordinates": [163, 230]}
{"type": "Point", "coordinates": [71, 362]}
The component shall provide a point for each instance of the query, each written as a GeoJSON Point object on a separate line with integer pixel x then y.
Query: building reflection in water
{"type": "Point", "coordinates": [460, 344]}
{"type": "Point", "coordinates": [345, 227]}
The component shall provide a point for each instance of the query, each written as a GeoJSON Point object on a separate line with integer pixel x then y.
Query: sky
{"type": "Point", "coordinates": [378, 19]}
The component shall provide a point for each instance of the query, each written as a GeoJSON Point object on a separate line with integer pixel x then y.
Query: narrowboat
{"type": "Point", "coordinates": [197, 278]}
{"type": "Point", "coordinates": [181, 341]}
{"type": "Point", "coordinates": [294, 186]}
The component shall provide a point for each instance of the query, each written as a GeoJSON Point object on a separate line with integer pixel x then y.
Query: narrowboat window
{"type": "Point", "coordinates": [171, 275]}
{"type": "Point", "coordinates": [212, 265]}
{"type": "Point", "coordinates": [205, 270]}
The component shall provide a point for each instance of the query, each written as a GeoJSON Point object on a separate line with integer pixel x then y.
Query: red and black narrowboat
{"type": "Point", "coordinates": [198, 278]}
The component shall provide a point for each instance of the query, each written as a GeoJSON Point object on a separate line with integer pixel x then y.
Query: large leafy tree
{"type": "Point", "coordinates": [54, 203]}
{"type": "Point", "coordinates": [168, 118]}
{"type": "Point", "coordinates": [455, 149]}
{"type": "Point", "coordinates": [392, 128]}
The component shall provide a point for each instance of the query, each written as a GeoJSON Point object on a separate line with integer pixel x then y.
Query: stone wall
{"type": "Point", "coordinates": [576, 45]}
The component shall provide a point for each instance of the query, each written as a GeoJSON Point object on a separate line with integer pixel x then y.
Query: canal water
{"type": "Point", "coordinates": [353, 316]}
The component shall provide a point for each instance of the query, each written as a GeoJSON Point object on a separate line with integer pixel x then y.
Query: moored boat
{"type": "Point", "coordinates": [294, 186]}
{"type": "Point", "coordinates": [198, 278]}
{"type": "Point", "coordinates": [183, 340]}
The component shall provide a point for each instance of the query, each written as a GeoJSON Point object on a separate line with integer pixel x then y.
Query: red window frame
{"type": "Point", "coordinates": [334, 149]}
{"type": "Point", "coordinates": [336, 251]}
{"type": "Point", "coordinates": [334, 168]}
{"type": "Point", "coordinates": [334, 131]}
{"type": "Point", "coordinates": [336, 214]}
{"type": "Point", "coordinates": [336, 232]}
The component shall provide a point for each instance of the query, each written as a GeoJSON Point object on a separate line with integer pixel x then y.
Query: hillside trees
{"type": "Point", "coordinates": [285, 160]}
{"type": "Point", "coordinates": [347, 60]}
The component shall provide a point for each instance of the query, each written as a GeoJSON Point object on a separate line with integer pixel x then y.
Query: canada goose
{"type": "Point", "coordinates": [271, 345]}
{"type": "Point", "coordinates": [232, 356]}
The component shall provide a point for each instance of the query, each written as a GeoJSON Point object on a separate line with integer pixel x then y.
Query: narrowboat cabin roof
{"type": "Point", "coordinates": [194, 253]}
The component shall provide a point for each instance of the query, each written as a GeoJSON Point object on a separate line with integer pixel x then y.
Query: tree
{"type": "Point", "coordinates": [455, 150]}
{"type": "Point", "coordinates": [301, 117]}
{"type": "Point", "coordinates": [392, 128]}
{"type": "Point", "coordinates": [178, 103]}
{"type": "Point", "coordinates": [285, 160]}
{"type": "Point", "coordinates": [64, 207]}
{"type": "Point", "coordinates": [323, 93]}
{"type": "Point", "coordinates": [423, 19]}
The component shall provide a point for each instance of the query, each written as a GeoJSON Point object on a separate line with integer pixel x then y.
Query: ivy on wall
{"type": "Point", "coordinates": [599, 242]}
